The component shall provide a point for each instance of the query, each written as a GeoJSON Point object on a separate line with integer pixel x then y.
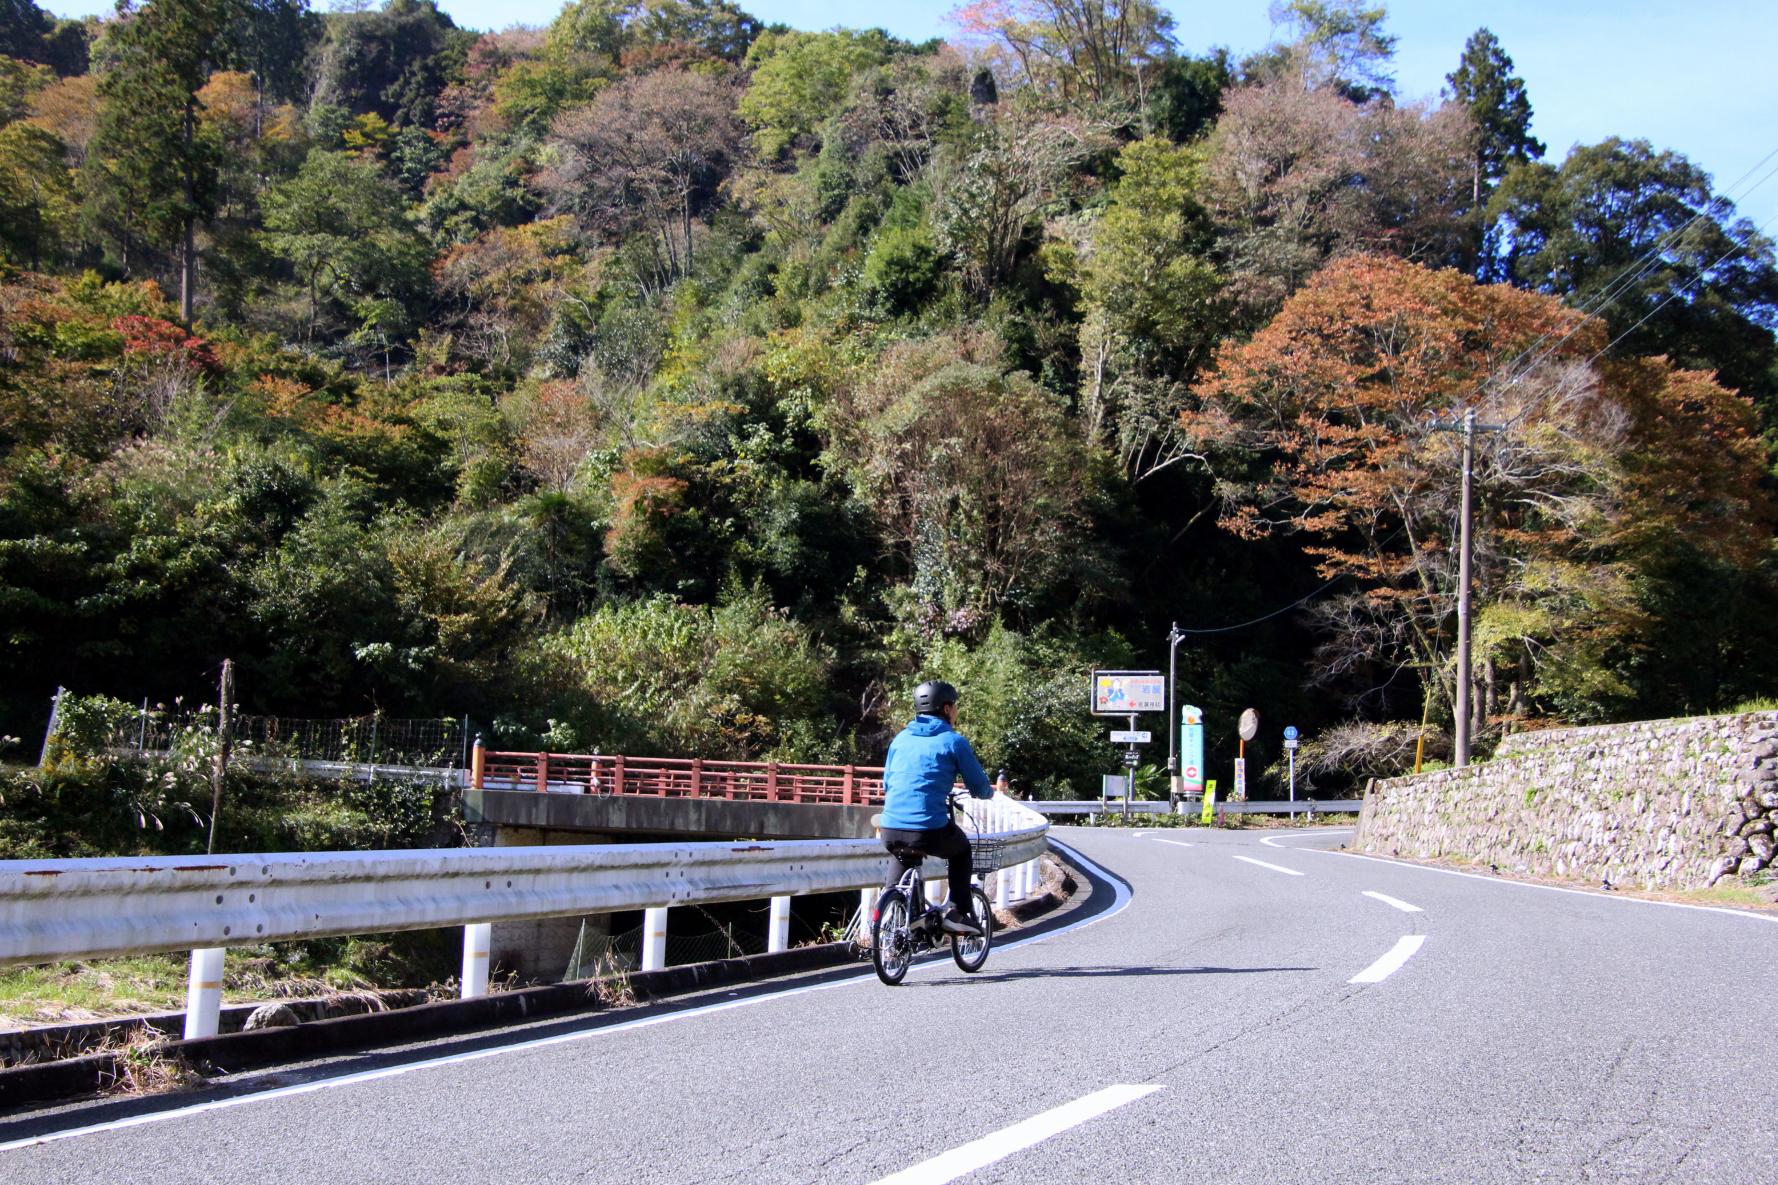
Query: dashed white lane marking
{"type": "Point", "coordinates": [1178, 843]}
{"type": "Point", "coordinates": [958, 1162]}
{"type": "Point", "coordinates": [1392, 962]}
{"type": "Point", "coordinates": [1388, 900]}
{"type": "Point", "coordinates": [1271, 841]}
{"type": "Point", "coordinates": [1768, 918]}
{"type": "Point", "coordinates": [1273, 867]}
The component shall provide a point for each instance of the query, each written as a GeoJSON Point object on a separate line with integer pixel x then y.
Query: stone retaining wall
{"type": "Point", "coordinates": [1663, 804]}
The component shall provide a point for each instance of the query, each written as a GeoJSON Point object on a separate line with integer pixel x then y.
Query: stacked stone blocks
{"type": "Point", "coordinates": [1661, 804]}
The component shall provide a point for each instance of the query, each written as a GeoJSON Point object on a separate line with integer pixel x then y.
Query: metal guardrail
{"type": "Point", "coordinates": [69, 909]}
{"type": "Point", "coordinates": [1115, 806]}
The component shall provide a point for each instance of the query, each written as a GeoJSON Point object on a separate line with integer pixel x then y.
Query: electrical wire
{"type": "Point", "coordinates": [1296, 604]}
{"type": "Point", "coordinates": [1637, 269]}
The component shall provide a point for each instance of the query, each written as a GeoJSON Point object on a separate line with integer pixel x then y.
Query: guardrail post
{"type": "Point", "coordinates": [654, 938]}
{"type": "Point", "coordinates": [477, 937]}
{"type": "Point", "coordinates": [867, 901]}
{"type": "Point", "coordinates": [617, 774]}
{"type": "Point", "coordinates": [1002, 889]}
{"type": "Point", "coordinates": [203, 995]}
{"type": "Point", "coordinates": [478, 764]}
{"type": "Point", "coordinates": [847, 784]}
{"type": "Point", "coordinates": [543, 773]}
{"type": "Point", "coordinates": [697, 777]}
{"type": "Point", "coordinates": [778, 933]}
{"type": "Point", "coordinates": [771, 781]}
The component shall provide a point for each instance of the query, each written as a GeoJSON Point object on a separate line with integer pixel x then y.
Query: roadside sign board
{"type": "Point", "coordinates": [1138, 737]}
{"type": "Point", "coordinates": [1290, 732]}
{"type": "Point", "coordinates": [1113, 785]}
{"type": "Point", "coordinates": [1191, 749]}
{"type": "Point", "coordinates": [1290, 743]}
{"type": "Point", "coordinates": [1240, 794]}
{"type": "Point", "coordinates": [1209, 814]}
{"type": "Point", "coordinates": [1126, 693]}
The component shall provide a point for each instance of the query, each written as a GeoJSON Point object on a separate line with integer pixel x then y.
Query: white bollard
{"type": "Point", "coordinates": [778, 931]}
{"type": "Point", "coordinates": [203, 995]}
{"type": "Point", "coordinates": [1002, 888]}
{"type": "Point", "coordinates": [867, 901]}
{"type": "Point", "coordinates": [654, 938]}
{"type": "Point", "coordinates": [477, 938]}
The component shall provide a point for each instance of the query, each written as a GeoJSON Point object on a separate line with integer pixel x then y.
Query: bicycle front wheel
{"type": "Point", "coordinates": [971, 950]}
{"type": "Point", "coordinates": [891, 942]}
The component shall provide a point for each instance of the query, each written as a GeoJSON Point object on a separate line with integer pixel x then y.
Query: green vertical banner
{"type": "Point", "coordinates": [1191, 750]}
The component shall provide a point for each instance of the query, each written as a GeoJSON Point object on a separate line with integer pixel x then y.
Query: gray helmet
{"type": "Point", "coordinates": [932, 695]}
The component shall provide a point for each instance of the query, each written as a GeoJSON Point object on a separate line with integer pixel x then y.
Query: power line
{"type": "Point", "coordinates": [1229, 629]}
{"type": "Point", "coordinates": [1622, 283]}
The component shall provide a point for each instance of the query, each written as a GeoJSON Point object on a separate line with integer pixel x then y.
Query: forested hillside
{"type": "Point", "coordinates": [657, 381]}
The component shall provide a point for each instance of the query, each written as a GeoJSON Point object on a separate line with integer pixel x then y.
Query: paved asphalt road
{"type": "Point", "coordinates": [1531, 1035]}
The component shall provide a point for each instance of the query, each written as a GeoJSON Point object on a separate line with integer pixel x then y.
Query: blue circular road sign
{"type": "Point", "coordinates": [1290, 732]}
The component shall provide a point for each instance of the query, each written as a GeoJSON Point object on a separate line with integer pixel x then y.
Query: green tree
{"type": "Point", "coordinates": [800, 79]}
{"type": "Point", "coordinates": [1153, 307]}
{"type": "Point", "coordinates": [37, 199]}
{"type": "Point", "coordinates": [1484, 83]}
{"type": "Point", "coordinates": [1640, 235]}
{"type": "Point", "coordinates": [150, 171]}
{"type": "Point", "coordinates": [343, 227]}
{"type": "Point", "coordinates": [394, 62]}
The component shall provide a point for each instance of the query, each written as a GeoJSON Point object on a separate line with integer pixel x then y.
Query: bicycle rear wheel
{"type": "Point", "coordinates": [971, 950]}
{"type": "Point", "coordinates": [891, 943]}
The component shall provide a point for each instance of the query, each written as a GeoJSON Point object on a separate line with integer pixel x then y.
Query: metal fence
{"type": "Point", "coordinates": [359, 740]}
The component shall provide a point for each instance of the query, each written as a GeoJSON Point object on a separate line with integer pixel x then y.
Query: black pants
{"type": "Point", "coordinates": [908, 848]}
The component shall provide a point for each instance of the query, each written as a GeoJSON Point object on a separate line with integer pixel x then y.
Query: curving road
{"type": "Point", "coordinates": [1221, 1007]}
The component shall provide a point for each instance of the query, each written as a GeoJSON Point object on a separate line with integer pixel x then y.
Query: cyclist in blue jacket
{"type": "Point", "coordinates": [925, 760]}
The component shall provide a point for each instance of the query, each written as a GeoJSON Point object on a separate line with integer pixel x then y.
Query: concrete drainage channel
{"type": "Point", "coordinates": [43, 1082]}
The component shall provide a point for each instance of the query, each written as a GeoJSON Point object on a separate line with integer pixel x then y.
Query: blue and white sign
{"type": "Point", "coordinates": [1290, 732]}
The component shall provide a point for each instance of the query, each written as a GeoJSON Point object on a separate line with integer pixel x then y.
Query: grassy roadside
{"type": "Point", "coordinates": [102, 989]}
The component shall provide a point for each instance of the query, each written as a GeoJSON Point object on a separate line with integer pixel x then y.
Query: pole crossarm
{"type": "Point", "coordinates": [70, 909]}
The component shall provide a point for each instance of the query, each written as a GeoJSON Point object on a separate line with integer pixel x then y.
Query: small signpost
{"type": "Point", "coordinates": [1129, 693]}
{"type": "Point", "coordinates": [1209, 815]}
{"type": "Point", "coordinates": [1290, 735]}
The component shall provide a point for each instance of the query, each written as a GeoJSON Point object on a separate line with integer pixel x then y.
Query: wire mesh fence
{"type": "Point", "coordinates": [370, 740]}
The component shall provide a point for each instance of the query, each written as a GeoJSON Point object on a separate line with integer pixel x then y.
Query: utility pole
{"type": "Point", "coordinates": [224, 726]}
{"type": "Point", "coordinates": [1463, 706]}
{"type": "Point", "coordinates": [1174, 638]}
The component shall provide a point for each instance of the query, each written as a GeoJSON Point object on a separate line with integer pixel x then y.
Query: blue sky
{"type": "Point", "coordinates": [1698, 76]}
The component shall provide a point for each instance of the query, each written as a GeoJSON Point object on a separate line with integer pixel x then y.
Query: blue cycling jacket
{"type": "Point", "coordinates": [925, 760]}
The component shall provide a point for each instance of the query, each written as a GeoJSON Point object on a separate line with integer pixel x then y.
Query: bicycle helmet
{"type": "Point", "coordinates": [932, 695]}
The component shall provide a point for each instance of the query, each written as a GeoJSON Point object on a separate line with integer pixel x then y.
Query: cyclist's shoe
{"type": "Point", "coordinates": [958, 922]}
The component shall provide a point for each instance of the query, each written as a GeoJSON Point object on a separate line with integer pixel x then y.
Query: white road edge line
{"type": "Point", "coordinates": [1392, 962]}
{"type": "Point", "coordinates": [961, 1161]}
{"type": "Point", "coordinates": [1120, 899]}
{"type": "Point", "coordinates": [1273, 867]}
{"type": "Point", "coordinates": [1388, 900]}
{"type": "Point", "coordinates": [1593, 893]}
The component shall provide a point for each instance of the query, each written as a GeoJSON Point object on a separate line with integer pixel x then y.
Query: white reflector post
{"type": "Point", "coordinates": [654, 938]}
{"type": "Point", "coordinates": [477, 937]}
{"type": "Point", "coordinates": [778, 934]}
{"type": "Point", "coordinates": [203, 996]}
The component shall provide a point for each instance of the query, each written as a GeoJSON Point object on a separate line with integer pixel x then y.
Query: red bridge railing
{"type": "Point", "coordinates": [678, 777]}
